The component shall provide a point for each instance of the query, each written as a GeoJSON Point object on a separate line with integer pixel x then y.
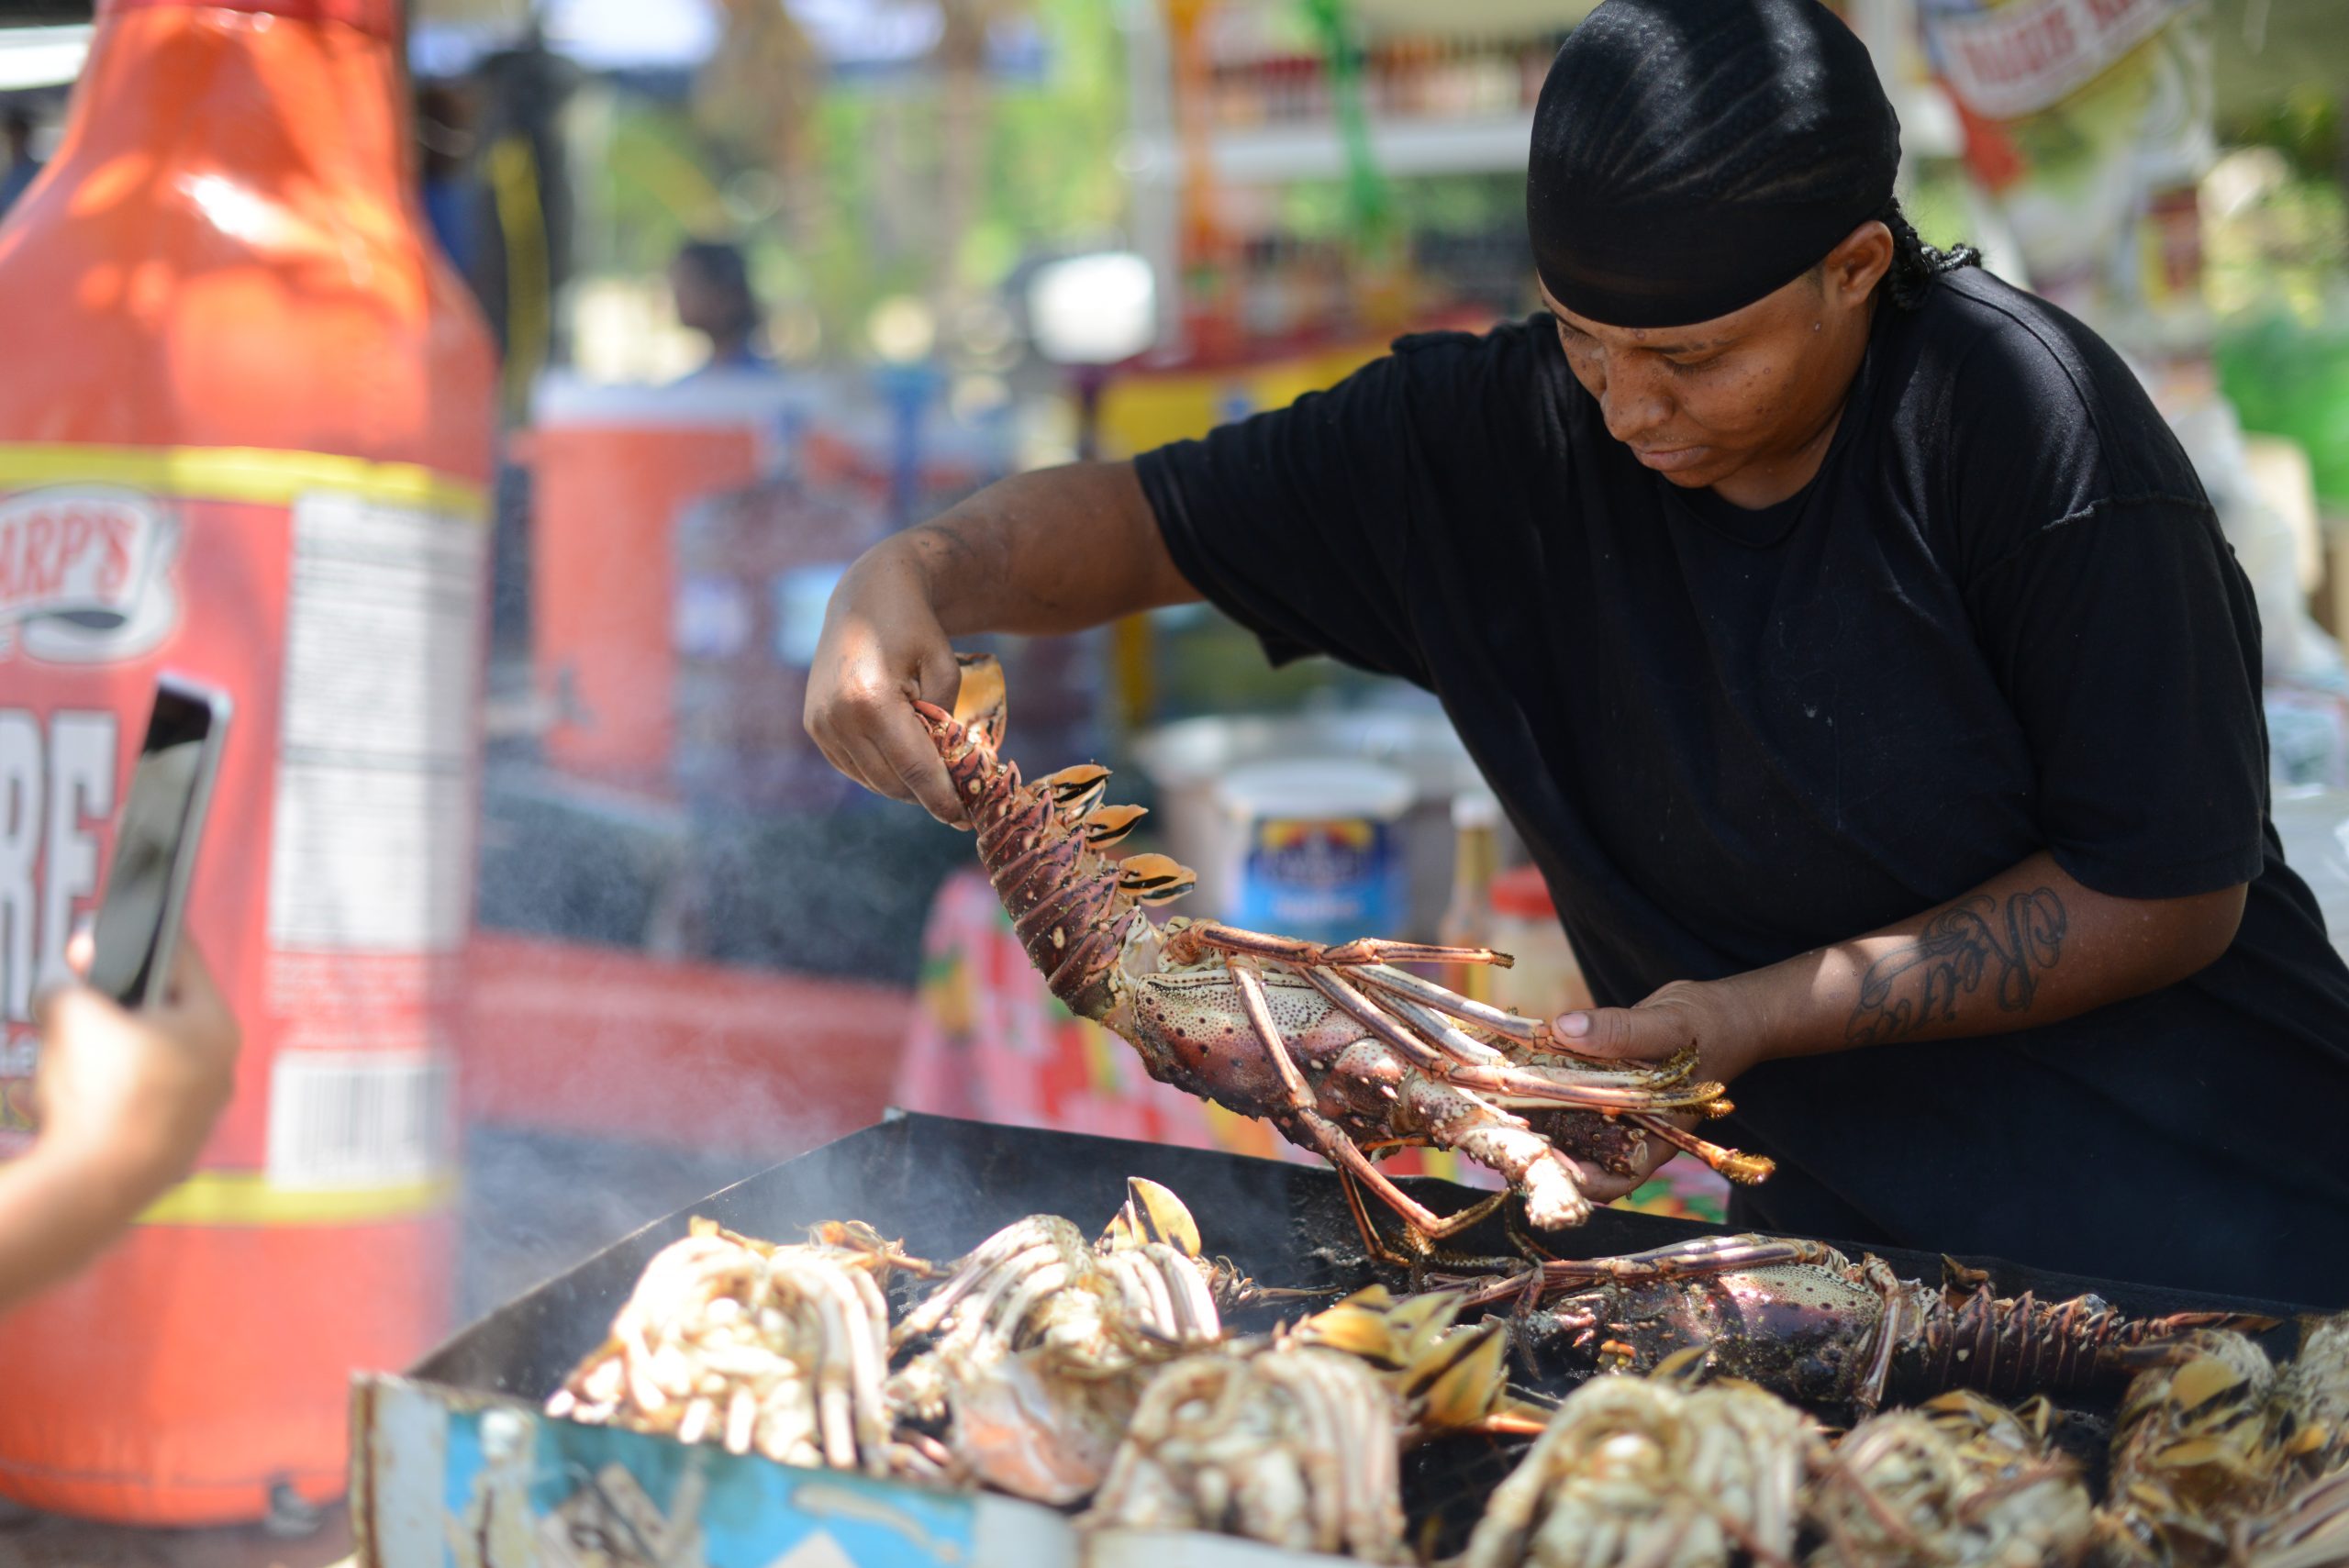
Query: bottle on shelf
{"type": "Point", "coordinates": [1547, 978]}
{"type": "Point", "coordinates": [1475, 861]}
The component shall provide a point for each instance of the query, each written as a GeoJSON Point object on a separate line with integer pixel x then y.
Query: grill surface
{"type": "Point", "coordinates": [943, 1185]}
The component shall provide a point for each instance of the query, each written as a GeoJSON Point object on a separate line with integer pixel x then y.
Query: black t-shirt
{"type": "Point", "coordinates": [2002, 618]}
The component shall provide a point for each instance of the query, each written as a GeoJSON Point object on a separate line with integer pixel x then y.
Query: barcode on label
{"type": "Point", "coordinates": [349, 1118]}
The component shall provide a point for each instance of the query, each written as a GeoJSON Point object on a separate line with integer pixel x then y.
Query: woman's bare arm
{"type": "Point", "coordinates": [1056, 551]}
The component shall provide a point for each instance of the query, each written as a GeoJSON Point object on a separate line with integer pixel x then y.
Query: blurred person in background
{"type": "Point", "coordinates": [125, 1101]}
{"type": "Point", "coordinates": [712, 285]}
{"type": "Point", "coordinates": [454, 198]}
{"type": "Point", "coordinates": [22, 164]}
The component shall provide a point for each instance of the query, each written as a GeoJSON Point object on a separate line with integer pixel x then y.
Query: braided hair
{"type": "Point", "coordinates": [1915, 264]}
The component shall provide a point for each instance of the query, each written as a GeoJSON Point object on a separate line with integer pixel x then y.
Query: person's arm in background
{"type": "Point", "coordinates": [126, 1100]}
{"type": "Point", "coordinates": [1057, 550]}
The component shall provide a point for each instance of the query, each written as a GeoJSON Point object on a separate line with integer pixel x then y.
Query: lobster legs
{"type": "Point", "coordinates": [1335, 1146]}
{"type": "Point", "coordinates": [1383, 1053]}
{"type": "Point", "coordinates": [1414, 1015]}
{"type": "Point", "coordinates": [1379, 1081]}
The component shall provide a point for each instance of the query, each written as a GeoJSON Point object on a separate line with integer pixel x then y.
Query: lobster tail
{"type": "Point", "coordinates": [1071, 905]}
{"type": "Point", "coordinates": [979, 703]}
{"type": "Point", "coordinates": [1971, 1338]}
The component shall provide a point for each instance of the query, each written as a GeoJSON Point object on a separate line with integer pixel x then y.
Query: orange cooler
{"type": "Point", "coordinates": [614, 469]}
{"type": "Point", "coordinates": [246, 418]}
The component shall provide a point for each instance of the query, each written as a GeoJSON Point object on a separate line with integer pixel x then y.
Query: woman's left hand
{"type": "Point", "coordinates": [1728, 1033]}
{"type": "Point", "coordinates": [1706, 1014]}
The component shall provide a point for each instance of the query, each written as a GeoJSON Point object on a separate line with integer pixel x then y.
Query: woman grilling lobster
{"type": "Point", "coordinates": [1845, 635]}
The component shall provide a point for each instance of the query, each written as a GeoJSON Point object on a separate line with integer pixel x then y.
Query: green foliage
{"type": "Point", "coordinates": [2285, 250]}
{"type": "Point", "coordinates": [1048, 176]}
{"type": "Point", "coordinates": [1935, 203]}
{"type": "Point", "coordinates": [2305, 126]}
{"type": "Point", "coordinates": [1052, 171]}
{"type": "Point", "coordinates": [2290, 377]}
{"type": "Point", "coordinates": [657, 187]}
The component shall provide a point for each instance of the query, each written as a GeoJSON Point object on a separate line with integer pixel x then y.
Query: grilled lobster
{"type": "Point", "coordinates": [1342, 1051]}
{"type": "Point", "coordinates": [1804, 1321]}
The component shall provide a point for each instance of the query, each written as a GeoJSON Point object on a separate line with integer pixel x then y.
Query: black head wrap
{"type": "Point", "coordinates": [1690, 156]}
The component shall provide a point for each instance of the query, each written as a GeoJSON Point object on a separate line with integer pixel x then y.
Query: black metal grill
{"type": "Point", "coordinates": [943, 1185]}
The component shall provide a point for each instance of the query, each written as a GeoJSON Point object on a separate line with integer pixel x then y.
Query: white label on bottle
{"type": "Point", "coordinates": [357, 1118]}
{"type": "Point", "coordinates": [373, 845]}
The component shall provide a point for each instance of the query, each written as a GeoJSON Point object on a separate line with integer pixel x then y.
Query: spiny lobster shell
{"type": "Point", "coordinates": [1340, 1049]}
{"type": "Point", "coordinates": [1817, 1330]}
{"type": "Point", "coordinates": [1073, 908]}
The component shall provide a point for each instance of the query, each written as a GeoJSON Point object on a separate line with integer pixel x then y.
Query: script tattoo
{"type": "Point", "coordinates": [1957, 950]}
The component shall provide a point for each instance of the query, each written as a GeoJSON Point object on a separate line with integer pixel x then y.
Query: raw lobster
{"type": "Point", "coordinates": [1341, 1049]}
{"type": "Point", "coordinates": [1804, 1321]}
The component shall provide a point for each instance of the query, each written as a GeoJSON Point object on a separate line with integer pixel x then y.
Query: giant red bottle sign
{"type": "Point", "coordinates": [245, 427]}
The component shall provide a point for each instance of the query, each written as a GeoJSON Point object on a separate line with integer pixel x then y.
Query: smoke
{"type": "Point", "coordinates": [637, 1037]}
{"type": "Point", "coordinates": [838, 892]}
{"type": "Point", "coordinates": [596, 1097]}
{"type": "Point", "coordinates": [537, 1201]}
{"type": "Point", "coordinates": [606, 1087]}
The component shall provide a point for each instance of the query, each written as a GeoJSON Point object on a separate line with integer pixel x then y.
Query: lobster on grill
{"type": "Point", "coordinates": [1804, 1321]}
{"type": "Point", "coordinates": [1343, 1051]}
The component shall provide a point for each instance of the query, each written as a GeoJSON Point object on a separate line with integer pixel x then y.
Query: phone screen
{"type": "Point", "coordinates": [131, 940]}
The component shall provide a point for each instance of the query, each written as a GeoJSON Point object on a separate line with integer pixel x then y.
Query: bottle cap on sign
{"type": "Point", "coordinates": [1521, 893]}
{"type": "Point", "coordinates": [1473, 808]}
{"type": "Point", "coordinates": [1317, 788]}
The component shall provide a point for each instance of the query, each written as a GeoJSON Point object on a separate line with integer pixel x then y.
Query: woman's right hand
{"type": "Point", "coordinates": [130, 1097]}
{"type": "Point", "coordinates": [1039, 554]}
{"type": "Point", "coordinates": [882, 647]}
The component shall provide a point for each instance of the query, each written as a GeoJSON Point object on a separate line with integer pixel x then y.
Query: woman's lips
{"type": "Point", "coordinates": [1669, 459]}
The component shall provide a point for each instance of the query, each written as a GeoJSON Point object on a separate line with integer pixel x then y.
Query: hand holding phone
{"type": "Point", "coordinates": [135, 1093]}
{"type": "Point", "coordinates": [137, 1064]}
{"type": "Point", "coordinates": [155, 842]}
{"type": "Point", "coordinates": [125, 1102]}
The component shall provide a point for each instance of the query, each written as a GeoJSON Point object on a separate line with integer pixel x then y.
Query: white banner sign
{"type": "Point", "coordinates": [2020, 59]}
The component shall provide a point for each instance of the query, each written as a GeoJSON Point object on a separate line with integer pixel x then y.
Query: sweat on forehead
{"type": "Point", "coordinates": [1690, 156]}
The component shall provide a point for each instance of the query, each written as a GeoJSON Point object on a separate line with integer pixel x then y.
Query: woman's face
{"type": "Point", "coordinates": [1738, 403]}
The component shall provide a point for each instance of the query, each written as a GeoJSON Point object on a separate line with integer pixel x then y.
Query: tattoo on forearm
{"type": "Point", "coordinates": [1952, 956]}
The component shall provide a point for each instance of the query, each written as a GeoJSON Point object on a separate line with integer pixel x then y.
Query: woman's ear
{"type": "Point", "coordinates": [1858, 263]}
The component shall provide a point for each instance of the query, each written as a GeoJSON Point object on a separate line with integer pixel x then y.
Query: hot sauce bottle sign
{"type": "Point", "coordinates": [84, 580]}
{"type": "Point", "coordinates": [245, 420]}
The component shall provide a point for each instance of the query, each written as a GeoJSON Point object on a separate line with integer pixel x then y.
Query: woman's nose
{"type": "Point", "coordinates": [1633, 402]}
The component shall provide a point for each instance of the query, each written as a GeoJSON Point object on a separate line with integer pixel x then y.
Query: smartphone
{"type": "Point", "coordinates": [154, 842]}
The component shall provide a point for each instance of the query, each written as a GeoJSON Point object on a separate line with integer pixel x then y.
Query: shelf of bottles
{"type": "Point", "coordinates": [1436, 106]}
{"type": "Point", "coordinates": [1272, 256]}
